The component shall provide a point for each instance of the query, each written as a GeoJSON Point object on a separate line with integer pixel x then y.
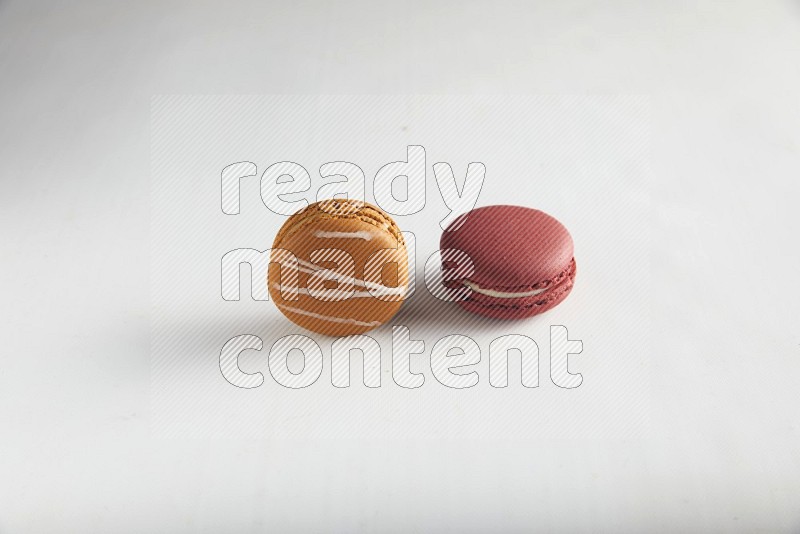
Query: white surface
{"type": "Point", "coordinates": [584, 160]}
{"type": "Point", "coordinates": [723, 449]}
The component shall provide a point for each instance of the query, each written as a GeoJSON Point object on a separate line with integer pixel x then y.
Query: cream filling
{"type": "Point", "coordinates": [337, 295]}
{"type": "Point", "coordinates": [503, 294]}
{"type": "Point", "coordinates": [310, 268]}
{"type": "Point", "coordinates": [362, 234]}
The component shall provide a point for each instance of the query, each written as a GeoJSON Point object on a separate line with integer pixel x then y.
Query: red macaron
{"type": "Point", "coordinates": [523, 260]}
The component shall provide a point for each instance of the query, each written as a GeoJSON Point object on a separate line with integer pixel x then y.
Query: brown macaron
{"type": "Point", "coordinates": [339, 267]}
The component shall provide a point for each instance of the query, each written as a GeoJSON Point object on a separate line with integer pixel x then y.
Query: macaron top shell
{"type": "Point", "coordinates": [512, 248]}
{"type": "Point", "coordinates": [335, 210]}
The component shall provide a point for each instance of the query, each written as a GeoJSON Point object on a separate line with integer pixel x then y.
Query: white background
{"type": "Point", "coordinates": [77, 452]}
{"type": "Point", "coordinates": [584, 160]}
